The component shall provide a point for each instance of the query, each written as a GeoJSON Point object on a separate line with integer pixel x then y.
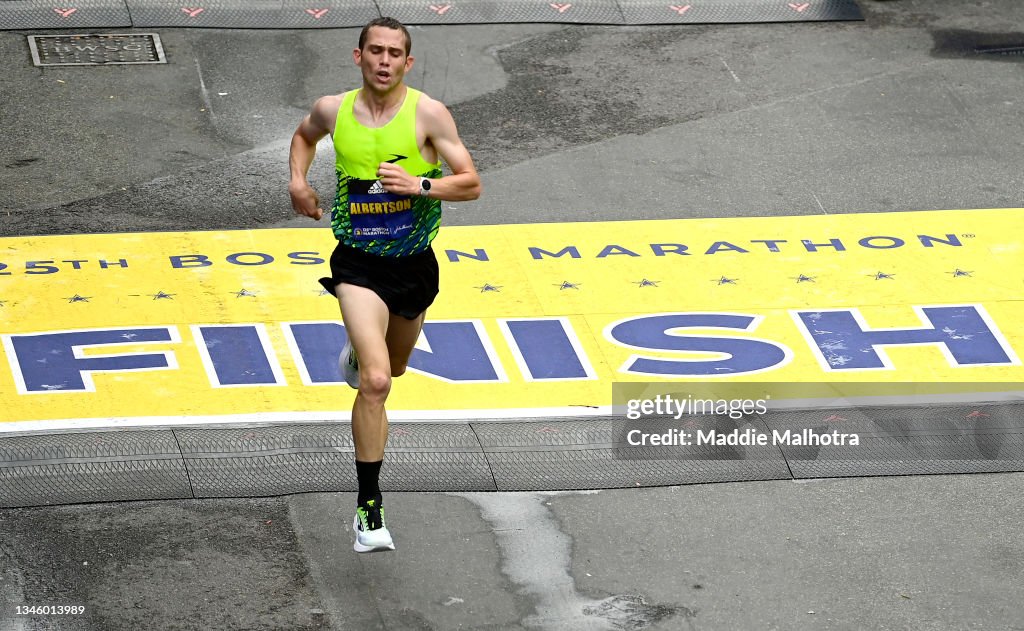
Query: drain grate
{"type": "Point", "coordinates": [96, 49]}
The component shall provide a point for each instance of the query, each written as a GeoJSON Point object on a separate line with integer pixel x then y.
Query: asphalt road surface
{"type": "Point", "coordinates": [566, 123]}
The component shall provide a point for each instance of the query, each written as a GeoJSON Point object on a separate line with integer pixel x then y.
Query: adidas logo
{"type": "Point", "coordinates": [376, 189]}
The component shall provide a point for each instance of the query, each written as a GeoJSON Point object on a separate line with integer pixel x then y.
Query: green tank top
{"type": "Point", "coordinates": [364, 215]}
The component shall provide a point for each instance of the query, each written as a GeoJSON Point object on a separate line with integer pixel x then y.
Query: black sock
{"type": "Point", "coordinates": [368, 474]}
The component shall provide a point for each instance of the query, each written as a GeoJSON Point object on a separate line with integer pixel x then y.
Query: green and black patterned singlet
{"type": "Point", "coordinates": [364, 215]}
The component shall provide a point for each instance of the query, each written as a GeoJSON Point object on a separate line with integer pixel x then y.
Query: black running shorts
{"type": "Point", "coordinates": [406, 284]}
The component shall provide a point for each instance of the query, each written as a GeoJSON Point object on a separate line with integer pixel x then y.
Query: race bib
{"type": "Point", "coordinates": [376, 213]}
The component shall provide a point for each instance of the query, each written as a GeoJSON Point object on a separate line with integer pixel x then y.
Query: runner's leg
{"type": "Point", "coordinates": [401, 339]}
{"type": "Point", "coordinates": [366, 322]}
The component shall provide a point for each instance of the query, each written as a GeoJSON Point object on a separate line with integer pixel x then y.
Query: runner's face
{"type": "Point", "coordinates": [383, 58]}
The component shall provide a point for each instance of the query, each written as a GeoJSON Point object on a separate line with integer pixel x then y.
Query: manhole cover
{"type": "Point", "coordinates": [96, 50]}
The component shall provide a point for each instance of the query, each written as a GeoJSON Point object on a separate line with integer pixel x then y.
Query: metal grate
{"type": "Point", "coordinates": [96, 49]}
{"type": "Point", "coordinates": [514, 11]}
{"type": "Point", "coordinates": [736, 11]}
{"type": "Point", "coordinates": [33, 14]}
{"type": "Point", "coordinates": [506, 455]}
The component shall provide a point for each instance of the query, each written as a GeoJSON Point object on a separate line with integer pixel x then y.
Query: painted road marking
{"type": "Point", "coordinates": [531, 319]}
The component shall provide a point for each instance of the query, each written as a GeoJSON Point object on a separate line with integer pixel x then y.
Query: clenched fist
{"type": "Point", "coordinates": [305, 201]}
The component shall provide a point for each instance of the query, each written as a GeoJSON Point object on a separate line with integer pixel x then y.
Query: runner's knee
{"type": "Point", "coordinates": [375, 384]}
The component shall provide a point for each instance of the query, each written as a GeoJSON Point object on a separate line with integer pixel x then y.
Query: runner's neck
{"type": "Point", "coordinates": [382, 107]}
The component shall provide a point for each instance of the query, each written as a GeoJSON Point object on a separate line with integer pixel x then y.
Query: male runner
{"type": "Point", "coordinates": [389, 140]}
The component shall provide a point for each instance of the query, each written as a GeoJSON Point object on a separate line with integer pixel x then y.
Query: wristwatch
{"type": "Point", "coordinates": [424, 187]}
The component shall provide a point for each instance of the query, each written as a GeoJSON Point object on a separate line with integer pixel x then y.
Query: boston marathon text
{"type": "Point", "coordinates": [535, 252]}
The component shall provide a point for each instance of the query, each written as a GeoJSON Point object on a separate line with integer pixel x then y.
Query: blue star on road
{"type": "Point", "coordinates": [884, 276]}
{"type": "Point", "coordinates": [489, 287]}
{"type": "Point", "coordinates": [77, 298]}
{"type": "Point", "coordinates": [245, 293]}
{"type": "Point", "coordinates": [726, 281]}
{"type": "Point", "coordinates": [957, 273]}
{"type": "Point", "coordinates": [646, 283]}
{"type": "Point", "coordinates": [567, 285]}
{"type": "Point", "coordinates": [162, 296]}
{"type": "Point", "coordinates": [804, 279]}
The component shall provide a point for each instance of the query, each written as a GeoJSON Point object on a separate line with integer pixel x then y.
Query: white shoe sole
{"type": "Point", "coordinates": [385, 543]}
{"type": "Point", "coordinates": [350, 377]}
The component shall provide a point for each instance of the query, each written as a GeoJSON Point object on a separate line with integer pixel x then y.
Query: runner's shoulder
{"type": "Point", "coordinates": [325, 110]}
{"type": "Point", "coordinates": [328, 104]}
{"type": "Point", "coordinates": [432, 111]}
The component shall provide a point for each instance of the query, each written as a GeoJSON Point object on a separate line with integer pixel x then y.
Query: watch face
{"type": "Point", "coordinates": [425, 184]}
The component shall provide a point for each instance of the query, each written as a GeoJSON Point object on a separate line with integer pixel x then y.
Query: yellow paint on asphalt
{"type": "Point", "coordinates": [583, 277]}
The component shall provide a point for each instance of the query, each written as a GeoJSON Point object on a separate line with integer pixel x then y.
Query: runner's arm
{"type": "Point", "coordinates": [303, 149]}
{"type": "Point", "coordinates": [464, 182]}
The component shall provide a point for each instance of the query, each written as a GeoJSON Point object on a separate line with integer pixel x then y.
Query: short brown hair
{"type": "Point", "coordinates": [386, 22]}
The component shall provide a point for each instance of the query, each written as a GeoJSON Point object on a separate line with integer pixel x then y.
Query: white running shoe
{"type": "Point", "coordinates": [349, 365]}
{"type": "Point", "coordinates": [371, 533]}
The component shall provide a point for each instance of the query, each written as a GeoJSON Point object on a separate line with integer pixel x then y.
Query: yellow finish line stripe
{"type": "Point", "coordinates": [530, 317]}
